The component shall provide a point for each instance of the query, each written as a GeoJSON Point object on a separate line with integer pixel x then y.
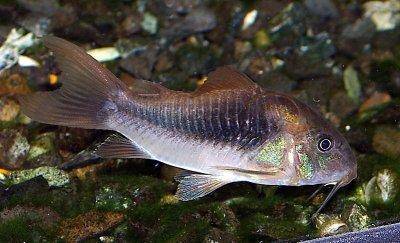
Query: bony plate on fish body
{"type": "Point", "coordinates": [228, 130]}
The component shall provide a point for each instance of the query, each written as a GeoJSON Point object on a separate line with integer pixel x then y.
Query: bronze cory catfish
{"type": "Point", "coordinates": [228, 130]}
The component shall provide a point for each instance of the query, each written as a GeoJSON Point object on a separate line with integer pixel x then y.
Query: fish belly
{"type": "Point", "coordinates": [177, 149]}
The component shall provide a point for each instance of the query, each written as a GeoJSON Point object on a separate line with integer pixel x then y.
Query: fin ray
{"type": "Point", "coordinates": [117, 146]}
{"type": "Point", "coordinates": [226, 78]}
{"type": "Point", "coordinates": [192, 185]}
{"type": "Point", "coordinates": [86, 86]}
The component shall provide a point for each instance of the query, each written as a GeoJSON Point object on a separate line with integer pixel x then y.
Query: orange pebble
{"type": "Point", "coordinates": [53, 79]}
{"type": "Point", "coordinates": [4, 171]}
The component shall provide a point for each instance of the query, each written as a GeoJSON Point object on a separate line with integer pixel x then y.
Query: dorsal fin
{"type": "Point", "coordinates": [143, 87]}
{"type": "Point", "coordinates": [226, 78]}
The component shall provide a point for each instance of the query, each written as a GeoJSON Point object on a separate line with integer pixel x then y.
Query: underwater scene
{"type": "Point", "coordinates": [198, 120]}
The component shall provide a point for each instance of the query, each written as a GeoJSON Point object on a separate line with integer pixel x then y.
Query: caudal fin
{"type": "Point", "coordinates": [86, 97]}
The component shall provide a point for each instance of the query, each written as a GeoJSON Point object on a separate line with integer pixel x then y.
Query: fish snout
{"type": "Point", "coordinates": [351, 171]}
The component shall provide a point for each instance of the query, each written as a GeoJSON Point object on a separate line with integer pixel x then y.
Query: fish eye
{"type": "Point", "coordinates": [325, 144]}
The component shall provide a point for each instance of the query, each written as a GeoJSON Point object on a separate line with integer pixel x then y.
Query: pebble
{"type": "Point", "coordinates": [386, 141]}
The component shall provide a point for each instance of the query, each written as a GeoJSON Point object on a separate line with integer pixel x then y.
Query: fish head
{"type": "Point", "coordinates": [322, 155]}
{"type": "Point", "coordinates": [307, 150]}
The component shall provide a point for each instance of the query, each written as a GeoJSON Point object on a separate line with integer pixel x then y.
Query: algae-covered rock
{"type": "Point", "coordinates": [260, 226]}
{"type": "Point", "coordinates": [109, 198]}
{"type": "Point", "coordinates": [217, 235]}
{"type": "Point", "coordinates": [43, 151]}
{"type": "Point", "coordinates": [386, 141]}
{"type": "Point", "coordinates": [41, 145]}
{"type": "Point", "coordinates": [27, 224]}
{"type": "Point", "coordinates": [330, 225]}
{"type": "Point", "coordinates": [176, 223]}
{"type": "Point", "coordinates": [261, 39]}
{"type": "Point", "coordinates": [54, 176]}
{"type": "Point", "coordinates": [89, 225]}
{"type": "Point", "coordinates": [222, 216]}
{"type": "Point", "coordinates": [304, 214]}
{"type": "Point", "coordinates": [289, 23]}
{"type": "Point", "coordinates": [43, 216]}
{"type": "Point", "coordinates": [169, 199]}
{"type": "Point", "coordinates": [13, 84]}
{"type": "Point", "coordinates": [382, 189]}
{"type": "Point", "coordinates": [356, 217]}
{"type": "Point", "coordinates": [121, 232]}
{"type": "Point", "coordinates": [9, 110]}
{"type": "Point", "coordinates": [107, 239]}
{"type": "Point", "coordinates": [149, 23]}
{"type": "Point", "coordinates": [14, 148]}
{"type": "Point", "coordinates": [352, 84]}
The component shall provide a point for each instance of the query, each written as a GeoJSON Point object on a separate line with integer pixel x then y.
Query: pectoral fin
{"type": "Point", "coordinates": [192, 185]}
{"type": "Point", "coordinates": [117, 146]}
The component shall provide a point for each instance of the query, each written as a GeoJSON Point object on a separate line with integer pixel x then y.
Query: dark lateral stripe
{"type": "Point", "coordinates": [237, 118]}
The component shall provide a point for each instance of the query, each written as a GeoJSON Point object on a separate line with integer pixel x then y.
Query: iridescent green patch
{"type": "Point", "coordinates": [323, 160]}
{"type": "Point", "coordinates": [273, 152]}
{"type": "Point", "coordinates": [306, 169]}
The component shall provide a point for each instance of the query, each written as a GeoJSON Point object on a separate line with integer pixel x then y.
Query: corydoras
{"type": "Point", "coordinates": [228, 130]}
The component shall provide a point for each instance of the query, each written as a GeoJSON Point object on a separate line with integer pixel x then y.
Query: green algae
{"type": "Point", "coordinates": [19, 148]}
{"type": "Point", "coordinates": [264, 227]}
{"type": "Point", "coordinates": [110, 199]}
{"type": "Point", "coordinates": [330, 225]}
{"type": "Point", "coordinates": [42, 144]}
{"type": "Point", "coordinates": [261, 39]}
{"type": "Point", "coordinates": [171, 221]}
{"type": "Point", "coordinates": [25, 229]}
{"type": "Point", "coordinates": [356, 216]}
{"type": "Point", "coordinates": [179, 221]}
{"type": "Point", "coordinates": [149, 23]}
{"type": "Point", "coordinates": [16, 229]}
{"type": "Point", "coordinates": [54, 176]}
{"type": "Point", "coordinates": [352, 84]}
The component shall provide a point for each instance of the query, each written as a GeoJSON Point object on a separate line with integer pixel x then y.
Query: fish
{"type": "Point", "coordinates": [228, 130]}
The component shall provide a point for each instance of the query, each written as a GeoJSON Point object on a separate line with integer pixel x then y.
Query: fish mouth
{"type": "Point", "coordinates": [341, 183]}
{"type": "Point", "coordinates": [335, 188]}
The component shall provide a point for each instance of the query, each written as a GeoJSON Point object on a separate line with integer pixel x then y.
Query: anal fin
{"type": "Point", "coordinates": [117, 146]}
{"type": "Point", "coordinates": [192, 185]}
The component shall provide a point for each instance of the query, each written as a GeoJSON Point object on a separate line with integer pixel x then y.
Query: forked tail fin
{"type": "Point", "coordinates": [86, 97]}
